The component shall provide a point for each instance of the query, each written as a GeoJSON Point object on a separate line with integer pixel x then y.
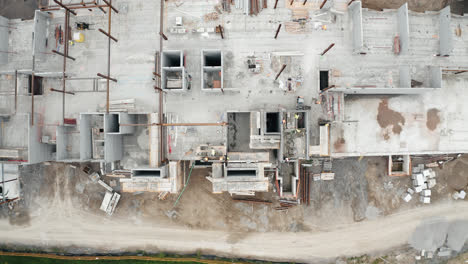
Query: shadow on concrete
{"type": "Point", "coordinates": [13, 9]}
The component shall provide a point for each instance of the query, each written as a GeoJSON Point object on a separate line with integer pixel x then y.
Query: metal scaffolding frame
{"type": "Point", "coordinates": [69, 8]}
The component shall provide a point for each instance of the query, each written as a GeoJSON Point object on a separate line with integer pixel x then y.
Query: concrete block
{"type": "Point", "coordinates": [426, 193]}
{"type": "Point", "coordinates": [407, 197]}
{"type": "Point", "coordinates": [427, 173]}
{"type": "Point", "coordinates": [107, 187]}
{"type": "Point", "coordinates": [424, 199]}
{"type": "Point", "coordinates": [94, 177]}
{"type": "Point", "coordinates": [444, 252]}
{"type": "Point", "coordinates": [410, 191]}
{"type": "Point", "coordinates": [462, 194]}
{"type": "Point", "coordinates": [316, 177]}
{"type": "Point", "coordinates": [418, 189]}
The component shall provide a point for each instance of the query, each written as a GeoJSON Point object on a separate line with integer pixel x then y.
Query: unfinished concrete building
{"type": "Point", "coordinates": [257, 115]}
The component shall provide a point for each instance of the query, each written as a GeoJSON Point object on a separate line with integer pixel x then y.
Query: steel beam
{"type": "Point", "coordinates": [111, 6]}
{"type": "Point", "coordinates": [327, 49]}
{"type": "Point", "coordinates": [106, 77]}
{"type": "Point", "coordinates": [178, 124]}
{"type": "Point", "coordinates": [61, 54]}
{"type": "Point", "coordinates": [277, 31]}
{"type": "Point", "coordinates": [323, 3]}
{"type": "Point", "coordinates": [61, 91]}
{"type": "Point", "coordinates": [279, 73]}
{"type": "Point", "coordinates": [108, 35]}
{"type": "Point", "coordinates": [66, 8]}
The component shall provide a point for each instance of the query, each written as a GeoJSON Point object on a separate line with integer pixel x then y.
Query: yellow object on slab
{"type": "Point", "coordinates": [78, 37]}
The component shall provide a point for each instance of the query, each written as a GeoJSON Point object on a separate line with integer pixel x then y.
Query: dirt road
{"type": "Point", "coordinates": [76, 228]}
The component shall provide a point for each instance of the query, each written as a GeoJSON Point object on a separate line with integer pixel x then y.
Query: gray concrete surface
{"type": "Point", "coordinates": [436, 232]}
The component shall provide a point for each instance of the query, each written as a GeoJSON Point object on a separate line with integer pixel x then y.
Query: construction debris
{"type": "Point", "coordinates": [251, 200]}
{"type": "Point", "coordinates": [109, 203]}
{"type": "Point", "coordinates": [459, 195]}
{"type": "Point", "coordinates": [423, 180]}
{"type": "Point", "coordinates": [250, 7]}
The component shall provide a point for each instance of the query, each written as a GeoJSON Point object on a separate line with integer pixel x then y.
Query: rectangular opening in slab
{"type": "Point", "coordinates": [286, 173]}
{"type": "Point", "coordinates": [146, 173]}
{"type": "Point", "coordinates": [273, 122]}
{"type": "Point", "coordinates": [242, 173]}
{"type": "Point", "coordinates": [323, 80]}
{"type": "Point", "coordinates": [212, 78]}
{"type": "Point", "coordinates": [38, 89]}
{"type": "Point", "coordinates": [112, 123]}
{"type": "Point", "coordinates": [212, 58]}
{"type": "Point", "coordinates": [203, 164]}
{"type": "Point", "coordinates": [399, 165]}
{"type": "Point", "coordinates": [300, 120]}
{"type": "Point", "coordinates": [173, 79]}
{"type": "Point", "coordinates": [172, 59]}
{"type": "Point", "coordinates": [238, 132]}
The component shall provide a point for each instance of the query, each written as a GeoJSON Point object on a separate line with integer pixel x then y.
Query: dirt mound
{"type": "Point", "coordinates": [433, 119]}
{"type": "Point", "coordinates": [458, 179]}
{"type": "Point", "coordinates": [388, 117]}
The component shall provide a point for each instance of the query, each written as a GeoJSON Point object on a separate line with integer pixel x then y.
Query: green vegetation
{"type": "Point", "coordinates": [34, 260]}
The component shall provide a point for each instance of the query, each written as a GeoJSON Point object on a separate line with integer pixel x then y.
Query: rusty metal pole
{"type": "Point", "coordinates": [305, 1]}
{"type": "Point", "coordinates": [67, 23]}
{"type": "Point", "coordinates": [65, 7]}
{"type": "Point", "coordinates": [108, 56]}
{"type": "Point", "coordinates": [16, 90]}
{"type": "Point", "coordinates": [292, 2]}
{"type": "Point", "coordinates": [276, 4]}
{"type": "Point", "coordinates": [327, 49]}
{"type": "Point", "coordinates": [162, 35]}
{"type": "Point", "coordinates": [60, 91]}
{"type": "Point", "coordinates": [221, 31]}
{"type": "Point", "coordinates": [277, 31]}
{"type": "Point", "coordinates": [32, 96]}
{"type": "Point", "coordinates": [323, 3]}
{"type": "Point", "coordinates": [327, 88]}
{"type": "Point", "coordinates": [161, 99]}
{"type": "Point", "coordinates": [279, 73]}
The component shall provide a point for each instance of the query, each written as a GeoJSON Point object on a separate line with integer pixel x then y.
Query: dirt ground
{"type": "Point", "coordinates": [361, 192]}
{"type": "Point", "coordinates": [413, 5]}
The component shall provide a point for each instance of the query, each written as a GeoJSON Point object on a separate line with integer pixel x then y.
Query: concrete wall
{"type": "Point", "coordinates": [111, 123]}
{"type": "Point", "coordinates": [86, 144]}
{"type": "Point", "coordinates": [41, 30]}
{"type": "Point", "coordinates": [384, 90]}
{"type": "Point", "coordinates": [355, 10]}
{"type": "Point", "coordinates": [113, 147]}
{"type": "Point", "coordinates": [403, 28]}
{"type": "Point", "coordinates": [9, 175]}
{"type": "Point", "coordinates": [4, 39]}
{"type": "Point", "coordinates": [37, 151]}
{"type": "Point", "coordinates": [445, 34]}
{"type": "Point", "coordinates": [405, 77]}
{"type": "Point", "coordinates": [154, 159]}
{"type": "Point", "coordinates": [125, 118]}
{"type": "Point", "coordinates": [435, 77]}
{"type": "Point", "coordinates": [62, 142]}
